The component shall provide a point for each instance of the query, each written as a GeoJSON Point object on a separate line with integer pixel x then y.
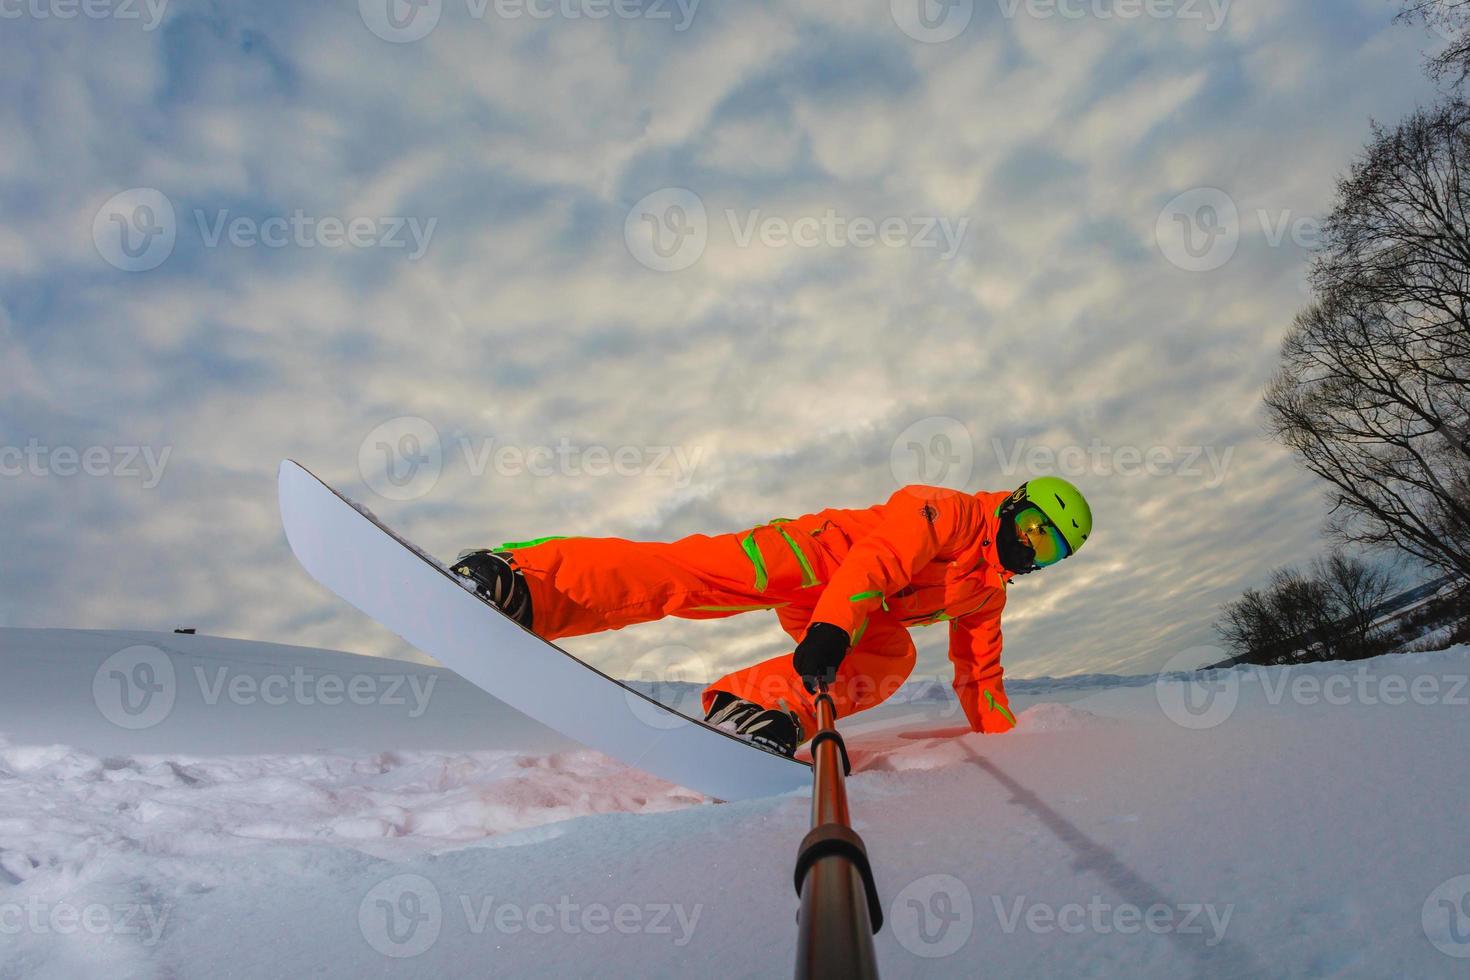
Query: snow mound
{"type": "Point", "coordinates": [60, 807]}
{"type": "Point", "coordinates": [1057, 718]}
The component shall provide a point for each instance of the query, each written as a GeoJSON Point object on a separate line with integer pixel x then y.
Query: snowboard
{"type": "Point", "coordinates": [348, 550]}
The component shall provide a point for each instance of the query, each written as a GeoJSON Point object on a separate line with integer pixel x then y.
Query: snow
{"type": "Point", "coordinates": [306, 812]}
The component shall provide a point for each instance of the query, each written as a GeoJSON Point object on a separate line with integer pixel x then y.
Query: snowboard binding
{"type": "Point", "coordinates": [497, 581]}
{"type": "Point", "coordinates": [771, 729]}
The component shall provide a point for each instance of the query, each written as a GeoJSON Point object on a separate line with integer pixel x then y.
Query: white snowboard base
{"type": "Point", "coordinates": [362, 561]}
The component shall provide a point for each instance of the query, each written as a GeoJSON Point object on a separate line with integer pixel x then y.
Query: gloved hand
{"type": "Point", "coordinates": [819, 654]}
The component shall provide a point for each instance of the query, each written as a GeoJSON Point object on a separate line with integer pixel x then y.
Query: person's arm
{"type": "Point", "coordinates": [974, 649]}
{"type": "Point", "coordinates": [918, 524]}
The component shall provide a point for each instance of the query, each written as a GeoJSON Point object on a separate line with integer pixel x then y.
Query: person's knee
{"type": "Point", "coordinates": [872, 676]}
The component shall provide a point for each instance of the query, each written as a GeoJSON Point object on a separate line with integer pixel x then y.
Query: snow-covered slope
{"type": "Point", "coordinates": [175, 806]}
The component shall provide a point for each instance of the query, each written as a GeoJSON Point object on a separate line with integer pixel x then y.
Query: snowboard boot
{"type": "Point", "coordinates": [773, 729]}
{"type": "Point", "coordinates": [497, 581]}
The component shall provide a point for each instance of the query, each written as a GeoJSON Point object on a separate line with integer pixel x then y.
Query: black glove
{"type": "Point", "coordinates": [818, 656]}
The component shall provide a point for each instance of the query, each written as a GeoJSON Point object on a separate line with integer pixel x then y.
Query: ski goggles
{"type": "Point", "coordinates": [1042, 537]}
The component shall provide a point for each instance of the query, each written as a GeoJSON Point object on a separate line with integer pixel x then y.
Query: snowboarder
{"type": "Point", "coordinates": [846, 585]}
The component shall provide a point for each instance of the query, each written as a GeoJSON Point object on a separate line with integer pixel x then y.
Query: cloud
{"type": "Point", "coordinates": [783, 371]}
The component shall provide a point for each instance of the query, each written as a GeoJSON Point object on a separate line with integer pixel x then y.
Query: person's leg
{"type": "Point", "coordinates": [875, 667]}
{"type": "Point", "coordinates": [587, 585]}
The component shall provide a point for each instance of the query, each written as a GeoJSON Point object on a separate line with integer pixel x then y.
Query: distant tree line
{"type": "Point", "coordinates": [1373, 390]}
{"type": "Point", "coordinates": [1324, 613]}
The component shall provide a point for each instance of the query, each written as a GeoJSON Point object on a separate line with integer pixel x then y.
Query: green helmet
{"type": "Point", "coordinates": [1043, 521]}
{"type": "Point", "coordinates": [1064, 506]}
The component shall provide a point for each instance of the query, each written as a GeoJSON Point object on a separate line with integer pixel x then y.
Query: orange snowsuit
{"type": "Point", "coordinates": [926, 556]}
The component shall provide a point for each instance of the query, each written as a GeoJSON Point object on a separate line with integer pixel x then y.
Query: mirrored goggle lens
{"type": "Point", "coordinates": [1042, 537]}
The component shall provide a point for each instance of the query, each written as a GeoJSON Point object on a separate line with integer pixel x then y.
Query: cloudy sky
{"type": "Point", "coordinates": [508, 269]}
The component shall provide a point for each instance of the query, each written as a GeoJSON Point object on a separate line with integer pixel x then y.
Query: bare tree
{"type": "Point", "coordinates": [1271, 625]}
{"type": "Point", "coordinates": [1373, 393]}
{"type": "Point", "coordinates": [1357, 592]}
{"type": "Point", "coordinates": [1248, 626]}
{"type": "Point", "coordinates": [1327, 614]}
{"type": "Point", "coordinates": [1450, 19]}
